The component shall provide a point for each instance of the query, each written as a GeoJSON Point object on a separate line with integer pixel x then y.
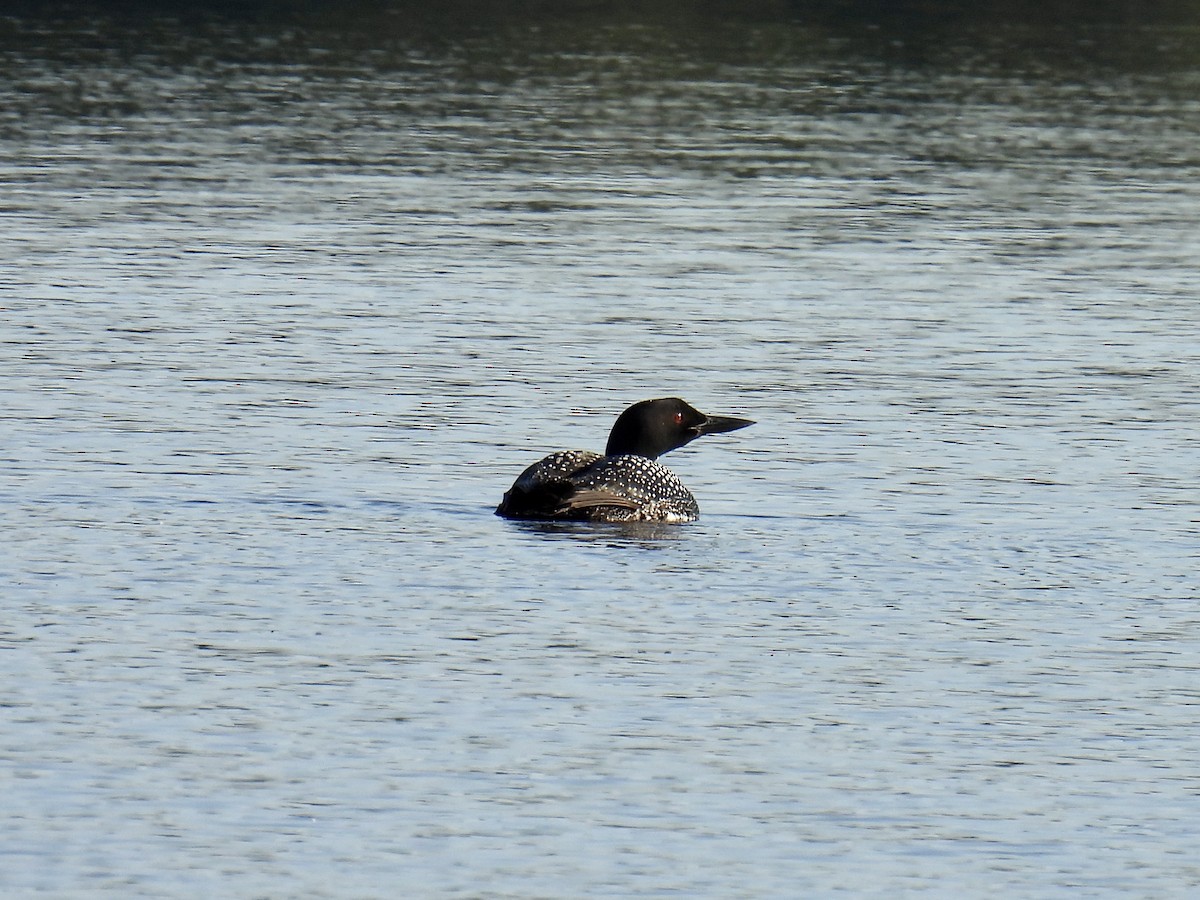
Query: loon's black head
{"type": "Point", "coordinates": [654, 427]}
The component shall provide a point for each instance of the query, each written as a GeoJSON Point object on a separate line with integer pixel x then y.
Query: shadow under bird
{"type": "Point", "coordinates": [626, 484]}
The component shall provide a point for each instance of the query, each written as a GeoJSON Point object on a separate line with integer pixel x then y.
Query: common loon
{"type": "Point", "coordinates": [626, 484]}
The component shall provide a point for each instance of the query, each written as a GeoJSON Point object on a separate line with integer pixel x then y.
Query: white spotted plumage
{"type": "Point", "coordinates": [582, 485]}
{"type": "Point", "coordinates": [658, 493]}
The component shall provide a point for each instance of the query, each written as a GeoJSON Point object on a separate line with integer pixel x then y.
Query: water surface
{"type": "Point", "coordinates": [288, 299]}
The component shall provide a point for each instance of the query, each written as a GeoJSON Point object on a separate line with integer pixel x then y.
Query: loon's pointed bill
{"type": "Point", "coordinates": [627, 484]}
{"type": "Point", "coordinates": [721, 424]}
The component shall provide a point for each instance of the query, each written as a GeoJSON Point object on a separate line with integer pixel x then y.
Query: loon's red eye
{"type": "Point", "coordinates": [678, 418]}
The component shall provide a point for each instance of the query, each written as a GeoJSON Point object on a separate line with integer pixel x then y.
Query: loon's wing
{"type": "Point", "coordinates": [579, 484]}
{"type": "Point", "coordinates": [594, 498]}
{"type": "Point", "coordinates": [628, 488]}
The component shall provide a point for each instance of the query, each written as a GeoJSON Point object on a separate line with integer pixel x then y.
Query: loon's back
{"type": "Point", "coordinates": [627, 484]}
{"type": "Point", "coordinates": [580, 485]}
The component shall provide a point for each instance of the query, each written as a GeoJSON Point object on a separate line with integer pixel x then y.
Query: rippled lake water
{"type": "Point", "coordinates": [287, 300]}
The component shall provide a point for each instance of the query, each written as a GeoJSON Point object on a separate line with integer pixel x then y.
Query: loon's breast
{"type": "Point", "coordinates": [580, 485]}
